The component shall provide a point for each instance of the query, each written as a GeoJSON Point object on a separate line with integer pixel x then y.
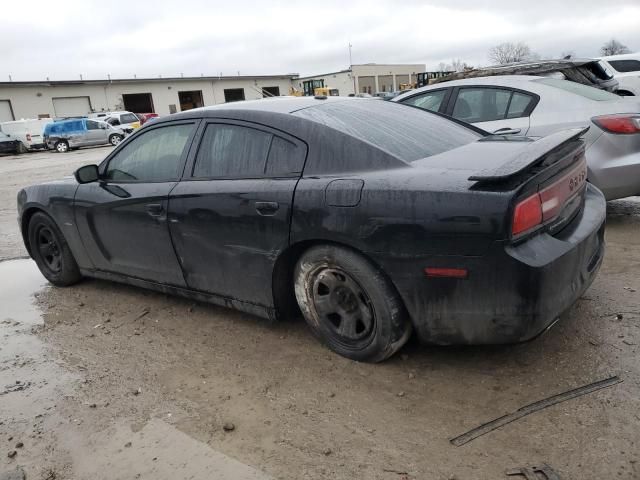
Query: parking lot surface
{"type": "Point", "coordinates": [102, 380]}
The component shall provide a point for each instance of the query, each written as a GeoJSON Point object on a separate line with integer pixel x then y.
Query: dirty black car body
{"type": "Point", "coordinates": [373, 219]}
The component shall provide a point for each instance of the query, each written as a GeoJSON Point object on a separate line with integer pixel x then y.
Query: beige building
{"type": "Point", "coordinates": [160, 95]}
{"type": "Point", "coordinates": [365, 78]}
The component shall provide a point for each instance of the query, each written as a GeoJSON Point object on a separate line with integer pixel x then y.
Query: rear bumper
{"type": "Point", "coordinates": [614, 165]}
{"type": "Point", "coordinates": [512, 293]}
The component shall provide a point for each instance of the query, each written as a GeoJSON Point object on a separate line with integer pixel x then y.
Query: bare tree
{"type": "Point", "coordinates": [613, 47]}
{"type": "Point", "coordinates": [458, 65]}
{"type": "Point", "coordinates": [509, 53]}
{"type": "Point", "coordinates": [442, 67]}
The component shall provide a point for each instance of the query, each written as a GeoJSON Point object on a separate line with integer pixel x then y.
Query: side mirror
{"type": "Point", "coordinates": [87, 174]}
{"type": "Point", "coordinates": [104, 126]}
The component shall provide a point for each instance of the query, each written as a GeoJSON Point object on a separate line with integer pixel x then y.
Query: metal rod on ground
{"type": "Point", "coordinates": [531, 408]}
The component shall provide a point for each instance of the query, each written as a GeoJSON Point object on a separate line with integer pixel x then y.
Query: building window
{"type": "Point", "coordinates": [233, 94]}
{"type": "Point", "coordinates": [270, 92]}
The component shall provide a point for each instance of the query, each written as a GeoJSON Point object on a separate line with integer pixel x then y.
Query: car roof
{"type": "Point", "coordinates": [623, 56]}
{"type": "Point", "coordinates": [272, 104]}
{"type": "Point", "coordinates": [516, 81]}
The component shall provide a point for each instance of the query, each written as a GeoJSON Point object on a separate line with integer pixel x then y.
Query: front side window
{"type": "Point", "coordinates": [113, 121]}
{"type": "Point", "coordinates": [232, 151]}
{"type": "Point", "coordinates": [154, 156]}
{"type": "Point", "coordinates": [128, 118]}
{"type": "Point", "coordinates": [428, 101]}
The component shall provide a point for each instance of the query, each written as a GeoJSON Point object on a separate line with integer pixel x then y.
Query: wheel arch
{"type": "Point", "coordinates": [284, 301]}
{"type": "Point", "coordinates": [27, 214]}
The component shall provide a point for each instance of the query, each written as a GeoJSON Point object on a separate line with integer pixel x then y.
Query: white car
{"type": "Point", "coordinates": [127, 120]}
{"type": "Point", "coordinates": [626, 69]}
{"type": "Point", "coordinates": [28, 131]}
{"type": "Point", "coordinates": [538, 106]}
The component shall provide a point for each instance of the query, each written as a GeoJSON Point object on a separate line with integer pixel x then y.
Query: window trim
{"type": "Point", "coordinates": [102, 168]}
{"type": "Point", "coordinates": [443, 106]}
{"type": "Point", "coordinates": [197, 143]}
{"type": "Point", "coordinates": [526, 113]}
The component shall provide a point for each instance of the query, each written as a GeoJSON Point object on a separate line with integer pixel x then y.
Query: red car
{"type": "Point", "coordinates": [144, 117]}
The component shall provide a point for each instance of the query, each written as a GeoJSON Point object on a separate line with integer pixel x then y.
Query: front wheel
{"type": "Point", "coordinates": [350, 304]}
{"type": "Point", "coordinates": [50, 251]}
{"type": "Point", "coordinates": [115, 139]}
{"type": "Point", "coordinates": [62, 146]}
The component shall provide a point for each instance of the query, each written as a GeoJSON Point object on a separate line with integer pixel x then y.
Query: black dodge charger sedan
{"type": "Point", "coordinates": [372, 219]}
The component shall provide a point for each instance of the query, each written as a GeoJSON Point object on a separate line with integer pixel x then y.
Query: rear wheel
{"type": "Point", "coordinates": [349, 304]}
{"type": "Point", "coordinates": [50, 251]}
{"type": "Point", "coordinates": [62, 146]}
{"type": "Point", "coordinates": [115, 139]}
{"type": "Point", "coordinates": [21, 148]}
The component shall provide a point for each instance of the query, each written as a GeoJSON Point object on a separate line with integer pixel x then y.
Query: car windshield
{"type": "Point", "coordinates": [405, 132]}
{"type": "Point", "coordinates": [579, 89]}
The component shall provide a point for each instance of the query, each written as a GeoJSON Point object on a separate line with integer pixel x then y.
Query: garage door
{"type": "Point", "coordinates": [6, 114]}
{"type": "Point", "coordinates": [71, 106]}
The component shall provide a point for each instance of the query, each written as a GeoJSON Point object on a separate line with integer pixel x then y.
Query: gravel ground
{"type": "Point", "coordinates": [118, 382]}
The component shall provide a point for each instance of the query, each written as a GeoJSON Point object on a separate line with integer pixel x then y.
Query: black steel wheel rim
{"type": "Point", "coordinates": [49, 249]}
{"type": "Point", "coordinates": [343, 307]}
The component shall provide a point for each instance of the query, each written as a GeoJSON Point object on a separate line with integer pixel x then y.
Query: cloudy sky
{"type": "Point", "coordinates": [66, 38]}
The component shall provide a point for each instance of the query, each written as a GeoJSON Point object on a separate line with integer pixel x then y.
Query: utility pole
{"type": "Point", "coordinates": [353, 78]}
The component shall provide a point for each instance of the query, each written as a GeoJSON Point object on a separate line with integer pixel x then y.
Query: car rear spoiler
{"type": "Point", "coordinates": [528, 156]}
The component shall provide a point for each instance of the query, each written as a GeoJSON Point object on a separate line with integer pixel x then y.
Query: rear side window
{"type": "Point", "coordinates": [625, 65]}
{"type": "Point", "coordinates": [519, 104]}
{"type": "Point", "coordinates": [286, 159]}
{"type": "Point", "coordinates": [74, 126]}
{"type": "Point", "coordinates": [92, 125]}
{"type": "Point", "coordinates": [404, 132]}
{"type": "Point", "coordinates": [232, 151]}
{"type": "Point", "coordinates": [427, 101]}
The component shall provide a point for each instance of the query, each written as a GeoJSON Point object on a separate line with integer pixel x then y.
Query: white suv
{"type": "Point", "coordinates": [626, 69]}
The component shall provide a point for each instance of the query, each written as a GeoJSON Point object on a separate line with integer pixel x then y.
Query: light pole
{"type": "Point", "coordinates": [353, 78]}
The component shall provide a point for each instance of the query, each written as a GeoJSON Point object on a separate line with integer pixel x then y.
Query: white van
{"type": "Point", "coordinates": [28, 131]}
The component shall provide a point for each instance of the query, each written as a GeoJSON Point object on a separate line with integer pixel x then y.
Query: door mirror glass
{"type": "Point", "coordinates": [86, 174]}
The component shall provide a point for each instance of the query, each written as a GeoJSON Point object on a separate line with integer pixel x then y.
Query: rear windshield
{"type": "Point", "coordinates": [405, 132]}
{"type": "Point", "coordinates": [579, 89]}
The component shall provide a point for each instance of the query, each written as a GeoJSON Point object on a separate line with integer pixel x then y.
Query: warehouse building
{"type": "Point", "coordinates": [67, 98]}
{"type": "Point", "coordinates": [365, 78]}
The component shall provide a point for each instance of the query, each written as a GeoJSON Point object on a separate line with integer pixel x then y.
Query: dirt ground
{"type": "Point", "coordinates": [115, 382]}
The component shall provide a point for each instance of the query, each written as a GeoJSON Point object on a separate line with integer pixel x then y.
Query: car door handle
{"type": "Point", "coordinates": [507, 131]}
{"type": "Point", "coordinates": [267, 208]}
{"type": "Point", "coordinates": [155, 209]}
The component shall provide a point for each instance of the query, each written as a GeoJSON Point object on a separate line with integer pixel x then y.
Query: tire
{"type": "Point", "coordinates": [349, 304]}
{"type": "Point", "coordinates": [115, 139]}
{"type": "Point", "coordinates": [62, 146]}
{"type": "Point", "coordinates": [21, 149]}
{"type": "Point", "coordinates": [51, 252]}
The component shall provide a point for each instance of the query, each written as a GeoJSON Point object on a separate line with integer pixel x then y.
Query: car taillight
{"type": "Point", "coordinates": [527, 214]}
{"type": "Point", "coordinates": [28, 137]}
{"type": "Point", "coordinates": [547, 203]}
{"type": "Point", "coordinates": [624, 123]}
